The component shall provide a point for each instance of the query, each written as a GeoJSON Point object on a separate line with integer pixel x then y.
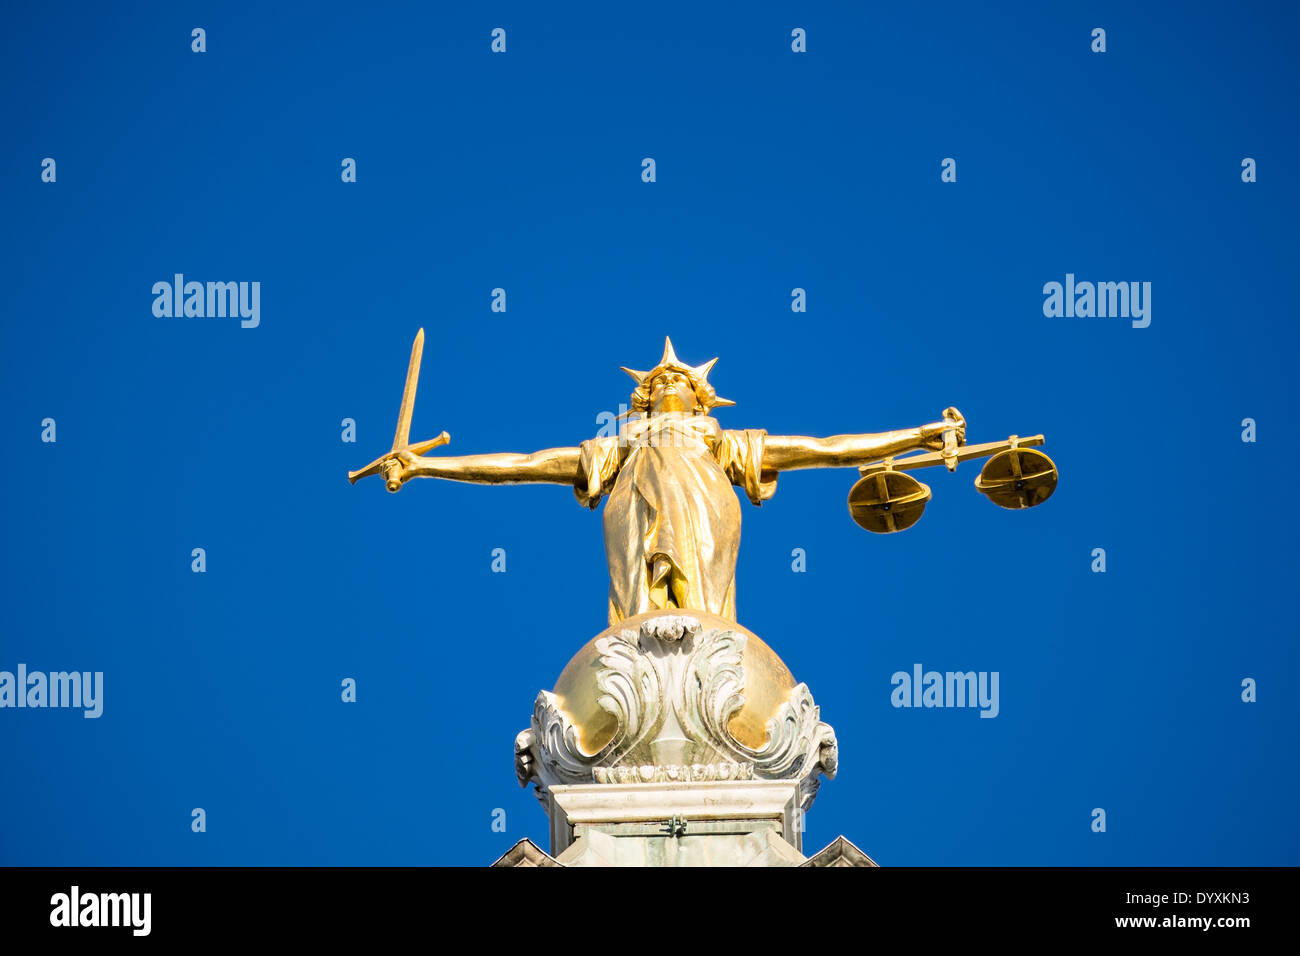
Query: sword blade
{"type": "Point", "coordinates": [408, 393]}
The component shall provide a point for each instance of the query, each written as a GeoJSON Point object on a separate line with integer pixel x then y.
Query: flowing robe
{"type": "Point", "coordinates": [672, 523]}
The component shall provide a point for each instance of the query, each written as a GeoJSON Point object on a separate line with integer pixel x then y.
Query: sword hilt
{"type": "Point", "coordinates": [387, 465]}
{"type": "Point", "coordinates": [391, 469]}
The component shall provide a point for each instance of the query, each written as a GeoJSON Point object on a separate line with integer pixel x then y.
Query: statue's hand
{"type": "Point", "coordinates": [398, 470]}
{"type": "Point", "coordinates": [932, 434]}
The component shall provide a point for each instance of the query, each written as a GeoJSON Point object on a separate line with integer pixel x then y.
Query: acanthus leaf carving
{"type": "Point", "coordinates": [670, 677]}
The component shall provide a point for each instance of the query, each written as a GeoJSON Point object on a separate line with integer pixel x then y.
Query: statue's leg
{"type": "Point", "coordinates": [615, 612]}
{"type": "Point", "coordinates": [729, 602]}
{"type": "Point", "coordinates": [666, 582]}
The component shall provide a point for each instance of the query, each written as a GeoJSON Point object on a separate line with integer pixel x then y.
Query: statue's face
{"type": "Point", "coordinates": [671, 392]}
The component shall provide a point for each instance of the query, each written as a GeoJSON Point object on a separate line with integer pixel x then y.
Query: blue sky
{"type": "Point", "coordinates": [522, 171]}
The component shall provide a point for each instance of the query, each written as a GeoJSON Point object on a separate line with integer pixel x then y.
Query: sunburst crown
{"type": "Point", "coordinates": [705, 396]}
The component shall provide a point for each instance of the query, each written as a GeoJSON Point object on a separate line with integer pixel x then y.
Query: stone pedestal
{"type": "Point", "coordinates": [676, 738]}
{"type": "Point", "coordinates": [677, 824]}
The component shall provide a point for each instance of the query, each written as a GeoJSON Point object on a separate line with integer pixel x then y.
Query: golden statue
{"type": "Point", "coordinates": [672, 523]}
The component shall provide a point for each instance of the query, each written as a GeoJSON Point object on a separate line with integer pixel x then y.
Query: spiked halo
{"type": "Point", "coordinates": [698, 375]}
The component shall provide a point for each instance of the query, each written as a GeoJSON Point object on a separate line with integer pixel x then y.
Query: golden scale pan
{"type": "Point", "coordinates": [886, 500]}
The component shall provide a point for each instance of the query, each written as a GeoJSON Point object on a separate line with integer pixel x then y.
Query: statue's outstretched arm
{"type": "Point", "coordinates": [789, 452]}
{"type": "Point", "coordinates": [552, 465]}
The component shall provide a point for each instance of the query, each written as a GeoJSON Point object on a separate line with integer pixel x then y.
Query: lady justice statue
{"type": "Point", "coordinates": [676, 713]}
{"type": "Point", "coordinates": [672, 523]}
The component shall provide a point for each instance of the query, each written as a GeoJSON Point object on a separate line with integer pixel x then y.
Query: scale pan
{"type": "Point", "coordinates": [1018, 478]}
{"type": "Point", "coordinates": [888, 501]}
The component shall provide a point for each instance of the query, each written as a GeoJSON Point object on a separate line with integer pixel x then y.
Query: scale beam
{"type": "Point", "coordinates": [964, 453]}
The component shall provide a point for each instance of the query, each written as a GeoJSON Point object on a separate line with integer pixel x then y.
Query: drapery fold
{"type": "Point", "coordinates": [672, 522]}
